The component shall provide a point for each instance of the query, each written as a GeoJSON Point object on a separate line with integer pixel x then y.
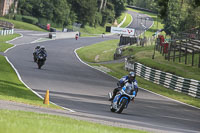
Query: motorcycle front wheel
{"type": "Point", "coordinates": [122, 105]}
{"type": "Point", "coordinates": [39, 64]}
{"type": "Point", "coordinates": [112, 109]}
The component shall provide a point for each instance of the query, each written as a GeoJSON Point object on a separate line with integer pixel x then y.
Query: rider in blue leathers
{"type": "Point", "coordinates": [129, 78]}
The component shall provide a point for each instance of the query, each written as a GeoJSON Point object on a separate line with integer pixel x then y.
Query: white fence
{"type": "Point", "coordinates": [6, 32]}
{"type": "Point", "coordinates": [8, 28]}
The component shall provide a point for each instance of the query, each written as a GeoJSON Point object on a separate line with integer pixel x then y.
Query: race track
{"type": "Point", "coordinates": [78, 87]}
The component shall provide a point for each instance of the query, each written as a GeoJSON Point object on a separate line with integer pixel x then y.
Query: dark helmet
{"type": "Point", "coordinates": [132, 76]}
{"type": "Point", "coordinates": [37, 47]}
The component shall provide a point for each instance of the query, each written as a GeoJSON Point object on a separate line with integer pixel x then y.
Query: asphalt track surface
{"type": "Point", "coordinates": [76, 86]}
{"type": "Point", "coordinates": [140, 23]}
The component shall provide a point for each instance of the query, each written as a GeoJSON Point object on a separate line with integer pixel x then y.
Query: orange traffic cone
{"type": "Point", "coordinates": [46, 98]}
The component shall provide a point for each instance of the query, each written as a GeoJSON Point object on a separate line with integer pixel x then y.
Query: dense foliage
{"type": "Point", "coordinates": [147, 4]}
{"type": "Point", "coordinates": [177, 15]}
{"type": "Point", "coordinates": [66, 12]}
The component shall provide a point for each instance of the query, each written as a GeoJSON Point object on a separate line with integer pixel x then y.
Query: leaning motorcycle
{"type": "Point", "coordinates": [41, 60]}
{"type": "Point", "coordinates": [123, 97]}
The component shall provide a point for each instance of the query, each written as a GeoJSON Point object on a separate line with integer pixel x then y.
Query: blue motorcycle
{"type": "Point", "coordinates": [123, 97]}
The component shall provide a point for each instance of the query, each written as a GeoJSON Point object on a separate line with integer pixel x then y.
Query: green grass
{"type": "Point", "coordinates": [23, 25]}
{"type": "Point", "coordinates": [92, 31]}
{"type": "Point", "coordinates": [3, 39]}
{"type": "Point", "coordinates": [21, 122]}
{"type": "Point", "coordinates": [12, 89]}
{"type": "Point", "coordinates": [144, 56]}
{"type": "Point", "coordinates": [128, 20]}
{"type": "Point", "coordinates": [121, 18]}
{"type": "Point", "coordinates": [104, 50]}
{"type": "Point", "coordinates": [156, 26]}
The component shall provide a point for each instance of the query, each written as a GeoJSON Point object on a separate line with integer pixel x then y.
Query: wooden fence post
{"type": "Point", "coordinates": [186, 55]}
{"type": "Point", "coordinates": [170, 48]}
{"type": "Point", "coordinates": [174, 54]}
{"type": "Point", "coordinates": [199, 59]}
{"type": "Point", "coordinates": [193, 57]}
{"type": "Point", "coordinates": [180, 53]}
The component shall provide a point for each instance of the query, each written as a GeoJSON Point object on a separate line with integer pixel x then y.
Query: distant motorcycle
{"type": "Point", "coordinates": [123, 97]}
{"type": "Point", "coordinates": [76, 36]}
{"type": "Point", "coordinates": [41, 58]}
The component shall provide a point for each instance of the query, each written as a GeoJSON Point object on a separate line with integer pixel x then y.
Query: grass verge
{"type": "Point", "coordinates": [19, 122]}
{"type": "Point", "coordinates": [127, 22]}
{"type": "Point", "coordinates": [3, 39]}
{"type": "Point", "coordinates": [121, 18]}
{"type": "Point", "coordinates": [99, 52]}
{"type": "Point", "coordinates": [144, 55]}
{"type": "Point", "coordinates": [23, 25]}
{"type": "Point", "coordinates": [12, 89]}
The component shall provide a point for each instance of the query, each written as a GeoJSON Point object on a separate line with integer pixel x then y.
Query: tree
{"type": "Point", "coordinates": [119, 6]}
{"type": "Point", "coordinates": [85, 12]}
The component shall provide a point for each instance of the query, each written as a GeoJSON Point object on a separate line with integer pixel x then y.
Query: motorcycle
{"type": "Point", "coordinates": [76, 37]}
{"type": "Point", "coordinates": [123, 97]}
{"type": "Point", "coordinates": [41, 58]}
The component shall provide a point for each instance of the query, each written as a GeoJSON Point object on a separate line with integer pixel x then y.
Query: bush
{"type": "Point", "coordinates": [44, 21]}
{"type": "Point", "coordinates": [18, 17]}
{"type": "Point", "coordinates": [30, 19]}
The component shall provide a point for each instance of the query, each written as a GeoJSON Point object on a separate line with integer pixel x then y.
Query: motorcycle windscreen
{"type": "Point", "coordinates": [129, 90]}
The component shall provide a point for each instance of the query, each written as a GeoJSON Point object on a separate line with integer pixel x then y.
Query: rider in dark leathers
{"type": "Point", "coordinates": [35, 52]}
{"type": "Point", "coordinates": [43, 52]}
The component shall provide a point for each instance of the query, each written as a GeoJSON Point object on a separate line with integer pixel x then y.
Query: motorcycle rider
{"type": "Point", "coordinates": [43, 51]}
{"type": "Point", "coordinates": [35, 52]}
{"type": "Point", "coordinates": [76, 36]}
{"type": "Point", "coordinates": [130, 78]}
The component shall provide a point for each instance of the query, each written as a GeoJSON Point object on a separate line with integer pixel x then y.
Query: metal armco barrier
{"type": "Point", "coordinates": [125, 40]}
{"type": "Point", "coordinates": [180, 84]}
{"type": "Point", "coordinates": [6, 32]}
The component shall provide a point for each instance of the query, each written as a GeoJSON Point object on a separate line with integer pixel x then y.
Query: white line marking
{"type": "Point", "coordinates": [90, 65]}
{"type": "Point", "coordinates": [131, 21]}
{"type": "Point", "coordinates": [122, 21]}
{"type": "Point", "coordinates": [21, 35]}
{"type": "Point", "coordinates": [139, 87]}
{"type": "Point", "coordinates": [9, 48]}
{"type": "Point", "coordinates": [19, 77]}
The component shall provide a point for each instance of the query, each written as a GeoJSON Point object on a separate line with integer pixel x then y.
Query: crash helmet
{"type": "Point", "coordinates": [42, 47]}
{"type": "Point", "coordinates": [37, 47]}
{"type": "Point", "coordinates": [132, 76]}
